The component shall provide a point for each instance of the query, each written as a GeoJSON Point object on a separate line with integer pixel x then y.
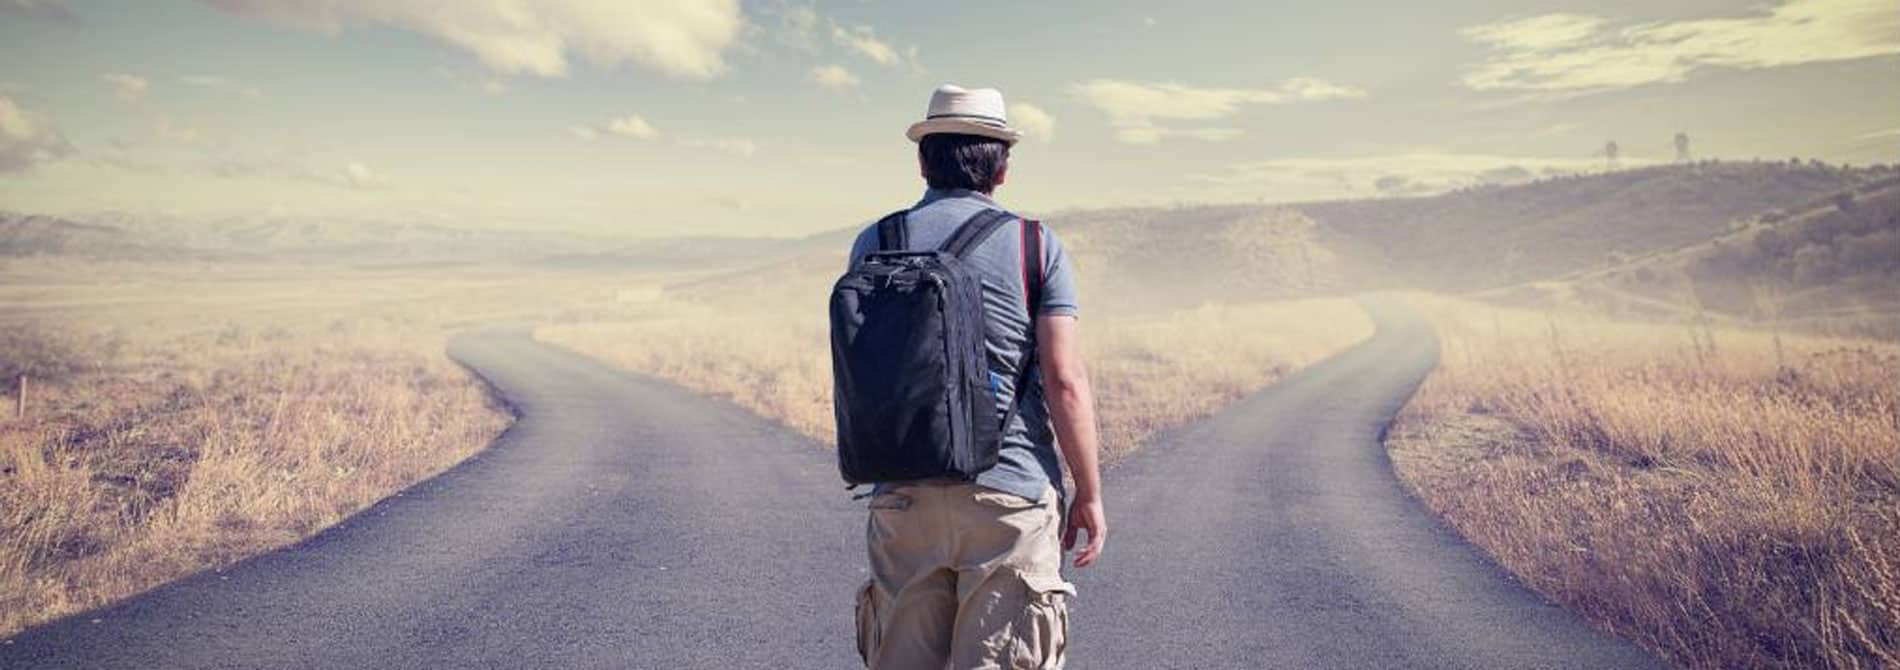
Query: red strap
{"type": "Point", "coordinates": [1031, 244]}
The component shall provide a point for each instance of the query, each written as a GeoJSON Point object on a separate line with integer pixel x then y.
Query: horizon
{"type": "Point", "coordinates": [785, 119]}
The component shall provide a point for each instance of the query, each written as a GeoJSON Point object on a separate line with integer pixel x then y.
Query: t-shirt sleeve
{"type": "Point", "coordinates": [860, 246]}
{"type": "Point", "coordinates": [1058, 277]}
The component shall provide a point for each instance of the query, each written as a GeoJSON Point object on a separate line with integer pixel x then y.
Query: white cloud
{"type": "Point", "coordinates": [631, 125]}
{"type": "Point", "coordinates": [798, 26]}
{"type": "Point", "coordinates": [127, 87]}
{"type": "Point", "coordinates": [737, 146]}
{"type": "Point", "coordinates": [27, 139]}
{"type": "Point", "coordinates": [864, 41]}
{"type": "Point", "coordinates": [681, 38]}
{"type": "Point", "coordinates": [834, 77]}
{"type": "Point", "coordinates": [1134, 108]}
{"type": "Point", "coordinates": [218, 83]}
{"type": "Point", "coordinates": [167, 130]}
{"type": "Point", "coordinates": [1151, 134]}
{"type": "Point", "coordinates": [1549, 31]}
{"type": "Point", "coordinates": [1035, 123]}
{"type": "Point", "coordinates": [50, 10]}
{"type": "Point", "coordinates": [1572, 53]}
{"type": "Point", "coordinates": [358, 175]}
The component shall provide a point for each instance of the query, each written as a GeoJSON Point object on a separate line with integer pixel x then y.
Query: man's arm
{"type": "Point", "coordinates": [1072, 407]}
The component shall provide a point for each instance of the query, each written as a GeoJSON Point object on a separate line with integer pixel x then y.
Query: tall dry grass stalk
{"type": "Point", "coordinates": [1727, 497]}
{"type": "Point", "coordinates": [185, 416]}
{"type": "Point", "coordinates": [171, 456]}
{"type": "Point", "coordinates": [1150, 371]}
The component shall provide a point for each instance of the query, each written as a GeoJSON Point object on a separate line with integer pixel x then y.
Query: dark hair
{"type": "Point", "coordinates": [955, 160]}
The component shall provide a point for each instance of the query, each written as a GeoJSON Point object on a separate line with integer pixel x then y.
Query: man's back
{"type": "Point", "coordinates": [1027, 461]}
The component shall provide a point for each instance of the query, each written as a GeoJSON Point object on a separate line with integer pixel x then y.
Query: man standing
{"type": "Point", "coordinates": [966, 570]}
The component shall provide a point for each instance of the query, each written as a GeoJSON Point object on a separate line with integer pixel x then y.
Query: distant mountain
{"type": "Point", "coordinates": [1488, 237]}
{"type": "Point", "coordinates": [312, 239]}
{"type": "Point", "coordinates": [1185, 256]}
{"type": "Point", "coordinates": [703, 252]}
{"type": "Point", "coordinates": [1744, 239]}
{"type": "Point", "coordinates": [1126, 259]}
{"type": "Point", "coordinates": [1476, 239]}
{"type": "Point", "coordinates": [27, 235]}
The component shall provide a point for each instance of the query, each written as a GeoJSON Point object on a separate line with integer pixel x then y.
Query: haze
{"type": "Point", "coordinates": [784, 118]}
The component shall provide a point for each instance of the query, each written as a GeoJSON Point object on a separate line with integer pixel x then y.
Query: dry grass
{"type": "Point", "coordinates": [187, 417]}
{"type": "Point", "coordinates": [1151, 371]}
{"type": "Point", "coordinates": [1729, 498]}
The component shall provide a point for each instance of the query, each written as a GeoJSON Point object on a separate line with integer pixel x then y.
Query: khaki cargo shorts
{"type": "Point", "coordinates": [963, 577]}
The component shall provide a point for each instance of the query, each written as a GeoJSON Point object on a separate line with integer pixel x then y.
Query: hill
{"type": "Point", "coordinates": [117, 235]}
{"type": "Point", "coordinates": [1833, 262]}
{"type": "Point", "coordinates": [1495, 236]}
{"type": "Point", "coordinates": [1476, 239]}
{"type": "Point", "coordinates": [34, 235]}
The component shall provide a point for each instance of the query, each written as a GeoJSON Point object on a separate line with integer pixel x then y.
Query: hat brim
{"type": "Point", "coordinates": [962, 127]}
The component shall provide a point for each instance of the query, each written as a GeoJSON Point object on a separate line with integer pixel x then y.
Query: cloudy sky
{"type": "Point", "coordinates": [660, 117]}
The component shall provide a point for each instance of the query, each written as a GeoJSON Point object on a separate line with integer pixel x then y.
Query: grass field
{"type": "Point", "coordinates": [186, 416]}
{"type": "Point", "coordinates": [1150, 370]}
{"type": "Point", "coordinates": [1727, 497]}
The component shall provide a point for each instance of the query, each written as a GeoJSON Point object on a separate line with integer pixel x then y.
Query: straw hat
{"type": "Point", "coordinates": [954, 109]}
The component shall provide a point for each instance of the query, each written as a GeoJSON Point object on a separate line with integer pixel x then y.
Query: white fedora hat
{"type": "Point", "coordinates": [954, 109]}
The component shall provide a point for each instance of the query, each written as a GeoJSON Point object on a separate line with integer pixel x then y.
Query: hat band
{"type": "Point", "coordinates": [980, 117]}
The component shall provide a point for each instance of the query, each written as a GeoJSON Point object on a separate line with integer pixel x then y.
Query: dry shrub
{"type": "Point", "coordinates": [1150, 371]}
{"type": "Point", "coordinates": [1726, 497]}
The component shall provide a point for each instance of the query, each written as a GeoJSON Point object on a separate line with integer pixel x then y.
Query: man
{"type": "Point", "coordinates": [967, 574]}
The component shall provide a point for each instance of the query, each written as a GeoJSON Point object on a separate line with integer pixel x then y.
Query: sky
{"type": "Point", "coordinates": [781, 117]}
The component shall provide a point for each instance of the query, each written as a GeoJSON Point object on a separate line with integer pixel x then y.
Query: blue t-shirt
{"type": "Point", "coordinates": [1027, 462]}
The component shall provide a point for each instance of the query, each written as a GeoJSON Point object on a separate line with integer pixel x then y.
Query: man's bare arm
{"type": "Point", "coordinates": [1072, 408]}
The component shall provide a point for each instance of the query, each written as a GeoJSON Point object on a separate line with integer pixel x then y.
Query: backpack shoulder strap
{"type": "Point", "coordinates": [1031, 232]}
{"type": "Point", "coordinates": [1032, 266]}
{"type": "Point", "coordinates": [973, 231]}
{"type": "Point", "coordinates": [892, 234]}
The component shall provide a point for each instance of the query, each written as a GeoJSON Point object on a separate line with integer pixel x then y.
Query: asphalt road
{"type": "Point", "coordinates": [1274, 535]}
{"type": "Point", "coordinates": [625, 523]}
{"type": "Point", "coordinates": [622, 522]}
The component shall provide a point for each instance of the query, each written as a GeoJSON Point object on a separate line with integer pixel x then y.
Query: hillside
{"type": "Point", "coordinates": [1128, 259]}
{"type": "Point", "coordinates": [1496, 236]}
{"type": "Point", "coordinates": [1475, 239]}
{"type": "Point", "coordinates": [280, 238]}
{"type": "Point", "coordinates": [1835, 259]}
{"type": "Point", "coordinates": [1538, 237]}
{"type": "Point", "coordinates": [34, 235]}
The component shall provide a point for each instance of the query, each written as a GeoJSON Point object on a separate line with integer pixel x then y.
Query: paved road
{"type": "Point", "coordinates": [1274, 535]}
{"type": "Point", "coordinates": [623, 523]}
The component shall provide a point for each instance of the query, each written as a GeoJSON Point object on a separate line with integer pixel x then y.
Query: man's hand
{"type": "Point", "coordinates": [1085, 514]}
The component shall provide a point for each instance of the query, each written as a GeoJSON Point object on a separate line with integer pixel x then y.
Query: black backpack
{"type": "Point", "coordinates": [910, 372]}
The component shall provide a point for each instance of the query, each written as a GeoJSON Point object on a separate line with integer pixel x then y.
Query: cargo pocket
{"type": "Point", "coordinates": [1007, 501]}
{"type": "Point", "coordinates": [1042, 634]}
{"type": "Point", "coordinates": [867, 622]}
